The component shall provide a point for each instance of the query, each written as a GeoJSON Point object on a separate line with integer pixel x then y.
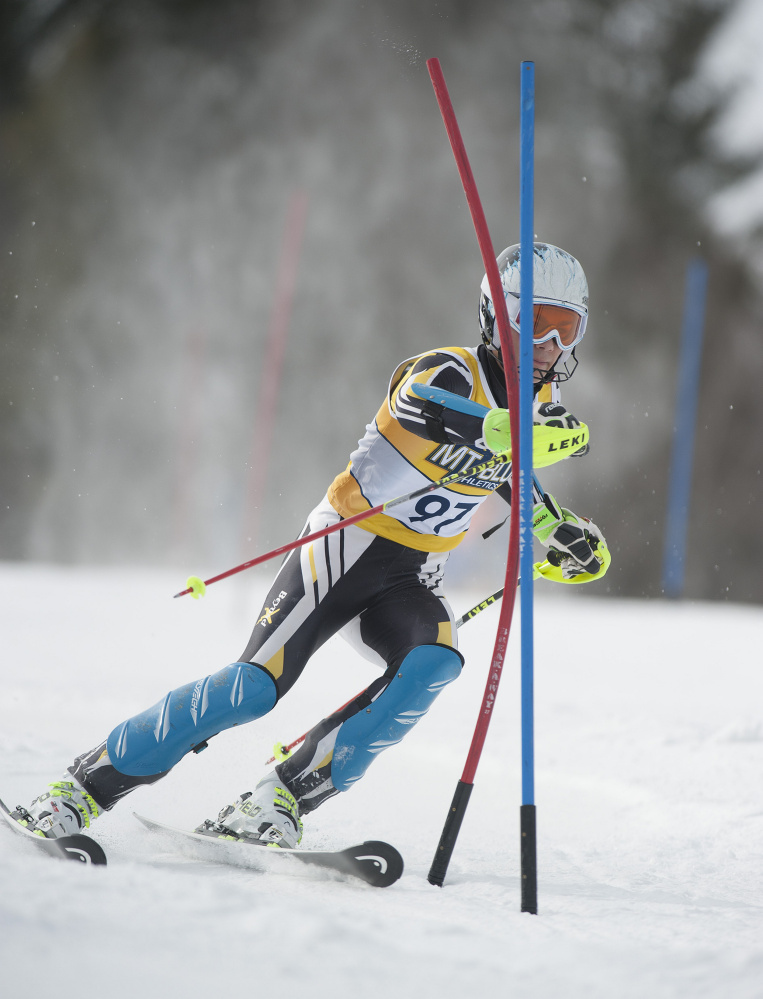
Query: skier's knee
{"type": "Point", "coordinates": [408, 696]}
{"type": "Point", "coordinates": [155, 740]}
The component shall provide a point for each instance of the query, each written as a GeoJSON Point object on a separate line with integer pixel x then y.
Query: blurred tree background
{"type": "Point", "coordinates": [151, 150]}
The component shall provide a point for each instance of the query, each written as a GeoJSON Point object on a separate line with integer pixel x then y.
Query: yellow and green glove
{"type": "Point", "coordinates": [554, 414]}
{"type": "Point", "coordinates": [577, 553]}
{"type": "Point", "coordinates": [556, 435]}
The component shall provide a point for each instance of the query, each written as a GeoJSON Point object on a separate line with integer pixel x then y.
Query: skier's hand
{"type": "Point", "coordinates": [553, 414]}
{"type": "Point", "coordinates": [552, 440]}
{"type": "Point", "coordinates": [576, 546]}
{"type": "Point", "coordinates": [496, 430]}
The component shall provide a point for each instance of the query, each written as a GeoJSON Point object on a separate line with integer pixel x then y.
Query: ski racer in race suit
{"type": "Point", "coordinates": [379, 582]}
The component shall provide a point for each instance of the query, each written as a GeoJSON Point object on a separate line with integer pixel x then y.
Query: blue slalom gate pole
{"type": "Point", "coordinates": [687, 394]}
{"type": "Point", "coordinates": [528, 847]}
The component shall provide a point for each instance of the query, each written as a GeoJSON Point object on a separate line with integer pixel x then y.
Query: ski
{"type": "Point", "coordinates": [77, 847]}
{"type": "Point", "coordinates": [377, 863]}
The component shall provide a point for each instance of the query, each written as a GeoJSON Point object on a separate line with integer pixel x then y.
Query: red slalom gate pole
{"type": "Point", "coordinates": [278, 328]}
{"type": "Point", "coordinates": [188, 448]}
{"type": "Point", "coordinates": [465, 785]}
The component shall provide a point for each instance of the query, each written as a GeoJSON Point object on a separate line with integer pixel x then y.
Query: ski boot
{"type": "Point", "coordinates": [269, 815]}
{"type": "Point", "coordinates": [64, 810]}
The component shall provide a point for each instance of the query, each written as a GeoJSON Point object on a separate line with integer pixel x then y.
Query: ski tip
{"type": "Point", "coordinates": [377, 863]}
{"type": "Point", "coordinates": [80, 848]}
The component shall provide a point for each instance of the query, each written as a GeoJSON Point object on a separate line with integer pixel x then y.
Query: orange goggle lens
{"type": "Point", "coordinates": [567, 325]}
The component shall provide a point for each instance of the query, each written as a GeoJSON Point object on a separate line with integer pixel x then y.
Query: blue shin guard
{"type": "Point", "coordinates": [409, 695]}
{"type": "Point", "coordinates": [155, 740]}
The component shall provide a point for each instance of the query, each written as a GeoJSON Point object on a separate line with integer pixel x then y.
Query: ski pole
{"type": "Point", "coordinates": [197, 586]}
{"type": "Point", "coordinates": [478, 608]}
{"type": "Point", "coordinates": [283, 751]}
{"type": "Point", "coordinates": [550, 444]}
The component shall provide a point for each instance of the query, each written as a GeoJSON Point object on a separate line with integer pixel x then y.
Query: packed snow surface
{"type": "Point", "coordinates": [649, 786]}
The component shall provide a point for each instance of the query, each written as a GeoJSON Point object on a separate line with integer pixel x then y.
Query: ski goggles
{"type": "Point", "coordinates": [565, 323]}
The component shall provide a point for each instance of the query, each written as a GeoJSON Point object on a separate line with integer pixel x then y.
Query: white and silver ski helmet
{"type": "Point", "coordinates": [560, 301]}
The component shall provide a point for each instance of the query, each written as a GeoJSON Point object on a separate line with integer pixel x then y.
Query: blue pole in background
{"type": "Point", "coordinates": [526, 238]}
{"type": "Point", "coordinates": [687, 394]}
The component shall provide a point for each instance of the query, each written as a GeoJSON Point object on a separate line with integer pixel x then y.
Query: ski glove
{"type": "Point", "coordinates": [496, 430]}
{"type": "Point", "coordinates": [496, 427]}
{"type": "Point", "coordinates": [576, 546]}
{"type": "Point", "coordinates": [553, 414]}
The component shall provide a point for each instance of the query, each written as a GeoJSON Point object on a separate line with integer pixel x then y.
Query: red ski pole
{"type": "Point", "coordinates": [197, 586]}
{"type": "Point", "coordinates": [464, 788]}
{"type": "Point", "coordinates": [285, 748]}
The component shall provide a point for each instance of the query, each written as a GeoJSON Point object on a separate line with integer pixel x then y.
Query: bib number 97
{"type": "Point", "coordinates": [434, 507]}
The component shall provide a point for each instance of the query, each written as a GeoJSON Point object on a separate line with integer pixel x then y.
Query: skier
{"type": "Point", "coordinates": [379, 582]}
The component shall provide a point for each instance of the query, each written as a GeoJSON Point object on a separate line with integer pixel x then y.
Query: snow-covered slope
{"type": "Point", "coordinates": [649, 790]}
